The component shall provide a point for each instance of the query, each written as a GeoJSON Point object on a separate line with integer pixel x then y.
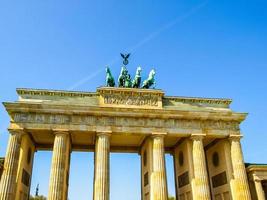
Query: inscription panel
{"type": "Point", "coordinates": [219, 180]}
{"type": "Point", "coordinates": [183, 179]}
{"type": "Point", "coordinates": [25, 179]}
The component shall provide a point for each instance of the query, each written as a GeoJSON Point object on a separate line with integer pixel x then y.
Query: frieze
{"type": "Point", "coordinates": [132, 98]}
{"type": "Point", "coordinates": [125, 121]}
{"type": "Point", "coordinates": [145, 100]}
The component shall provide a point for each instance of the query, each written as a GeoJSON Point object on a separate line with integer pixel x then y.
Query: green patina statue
{"type": "Point", "coordinates": [150, 81]}
{"type": "Point", "coordinates": [122, 77]}
{"type": "Point", "coordinates": [137, 79]}
{"type": "Point", "coordinates": [109, 78]}
{"type": "Point", "coordinates": [128, 81]}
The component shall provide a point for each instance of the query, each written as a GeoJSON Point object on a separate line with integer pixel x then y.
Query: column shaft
{"type": "Point", "coordinates": [200, 185]}
{"type": "Point", "coordinates": [158, 176]}
{"type": "Point", "coordinates": [8, 181]}
{"type": "Point", "coordinates": [101, 170]}
{"type": "Point", "coordinates": [58, 186]}
{"type": "Point", "coordinates": [259, 190]}
{"type": "Point", "coordinates": [241, 187]}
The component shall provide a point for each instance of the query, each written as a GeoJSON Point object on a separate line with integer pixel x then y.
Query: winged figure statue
{"type": "Point", "coordinates": [125, 58]}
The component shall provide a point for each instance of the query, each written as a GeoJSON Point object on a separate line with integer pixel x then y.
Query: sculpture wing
{"type": "Point", "coordinates": [127, 56]}
{"type": "Point", "coordinates": [122, 55]}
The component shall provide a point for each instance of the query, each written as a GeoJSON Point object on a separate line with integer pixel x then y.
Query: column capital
{"type": "Point", "coordinates": [256, 179]}
{"type": "Point", "coordinates": [102, 129]}
{"type": "Point", "coordinates": [104, 133]}
{"type": "Point", "coordinates": [158, 134]}
{"type": "Point", "coordinates": [19, 131]}
{"type": "Point", "coordinates": [234, 137]}
{"type": "Point", "coordinates": [60, 131]}
{"type": "Point", "coordinates": [199, 136]}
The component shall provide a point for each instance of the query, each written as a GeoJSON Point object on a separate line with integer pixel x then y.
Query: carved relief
{"type": "Point", "coordinates": [118, 99]}
{"type": "Point", "coordinates": [130, 98]}
{"type": "Point", "coordinates": [124, 121]}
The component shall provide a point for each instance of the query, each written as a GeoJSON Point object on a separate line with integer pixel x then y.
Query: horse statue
{"type": "Point", "coordinates": [137, 79]}
{"type": "Point", "coordinates": [109, 78]}
{"type": "Point", "coordinates": [150, 81]}
{"type": "Point", "coordinates": [128, 82]}
{"type": "Point", "coordinates": [122, 77]}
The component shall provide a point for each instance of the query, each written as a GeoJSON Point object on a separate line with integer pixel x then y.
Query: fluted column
{"type": "Point", "coordinates": [101, 170]}
{"type": "Point", "coordinates": [58, 186]}
{"type": "Point", "coordinates": [240, 183]}
{"type": "Point", "coordinates": [8, 183]}
{"type": "Point", "coordinates": [158, 177]}
{"type": "Point", "coordinates": [259, 189]}
{"type": "Point", "coordinates": [200, 184]}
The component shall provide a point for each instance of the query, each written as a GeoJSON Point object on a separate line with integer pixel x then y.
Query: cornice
{"type": "Point", "coordinates": [21, 107]}
{"type": "Point", "coordinates": [129, 90]}
{"type": "Point", "coordinates": [256, 167]}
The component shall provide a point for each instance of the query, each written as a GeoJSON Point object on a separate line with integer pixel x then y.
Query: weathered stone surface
{"type": "Point", "coordinates": [200, 183]}
{"type": "Point", "coordinates": [58, 185]}
{"type": "Point", "coordinates": [101, 175]}
{"type": "Point", "coordinates": [8, 181]}
{"type": "Point", "coordinates": [134, 120]}
{"type": "Point", "coordinates": [239, 184]}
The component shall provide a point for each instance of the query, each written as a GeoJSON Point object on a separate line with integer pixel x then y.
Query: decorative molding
{"type": "Point", "coordinates": [198, 100]}
{"type": "Point", "coordinates": [130, 98]}
{"type": "Point", "coordinates": [125, 121]}
{"type": "Point", "coordinates": [61, 93]}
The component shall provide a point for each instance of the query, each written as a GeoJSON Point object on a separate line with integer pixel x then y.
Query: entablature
{"type": "Point", "coordinates": [123, 110]}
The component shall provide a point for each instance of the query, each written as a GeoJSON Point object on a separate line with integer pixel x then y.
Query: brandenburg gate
{"type": "Point", "coordinates": [202, 134]}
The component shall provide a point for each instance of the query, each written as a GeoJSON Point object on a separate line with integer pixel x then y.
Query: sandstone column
{"type": "Point", "coordinates": [240, 182]}
{"type": "Point", "coordinates": [58, 185]}
{"type": "Point", "coordinates": [101, 170]}
{"type": "Point", "coordinates": [8, 181]}
{"type": "Point", "coordinates": [259, 189]}
{"type": "Point", "coordinates": [200, 184]}
{"type": "Point", "coordinates": [158, 176]}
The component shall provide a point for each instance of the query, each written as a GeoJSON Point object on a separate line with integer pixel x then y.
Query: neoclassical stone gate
{"type": "Point", "coordinates": [202, 134]}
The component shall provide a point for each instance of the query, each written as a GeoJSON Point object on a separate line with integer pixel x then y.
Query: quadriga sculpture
{"type": "Point", "coordinates": [122, 77]}
{"type": "Point", "coordinates": [150, 81]}
{"type": "Point", "coordinates": [137, 79]}
{"type": "Point", "coordinates": [109, 78]}
{"type": "Point", "coordinates": [128, 82]}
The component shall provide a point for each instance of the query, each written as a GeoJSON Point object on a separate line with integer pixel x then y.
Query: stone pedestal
{"type": "Point", "coordinates": [158, 175]}
{"type": "Point", "coordinates": [240, 185]}
{"type": "Point", "coordinates": [101, 172]}
{"type": "Point", "coordinates": [8, 181]}
{"type": "Point", "coordinates": [200, 184]}
{"type": "Point", "coordinates": [58, 185]}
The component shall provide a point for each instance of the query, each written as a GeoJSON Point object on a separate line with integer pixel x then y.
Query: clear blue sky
{"type": "Point", "coordinates": [199, 48]}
